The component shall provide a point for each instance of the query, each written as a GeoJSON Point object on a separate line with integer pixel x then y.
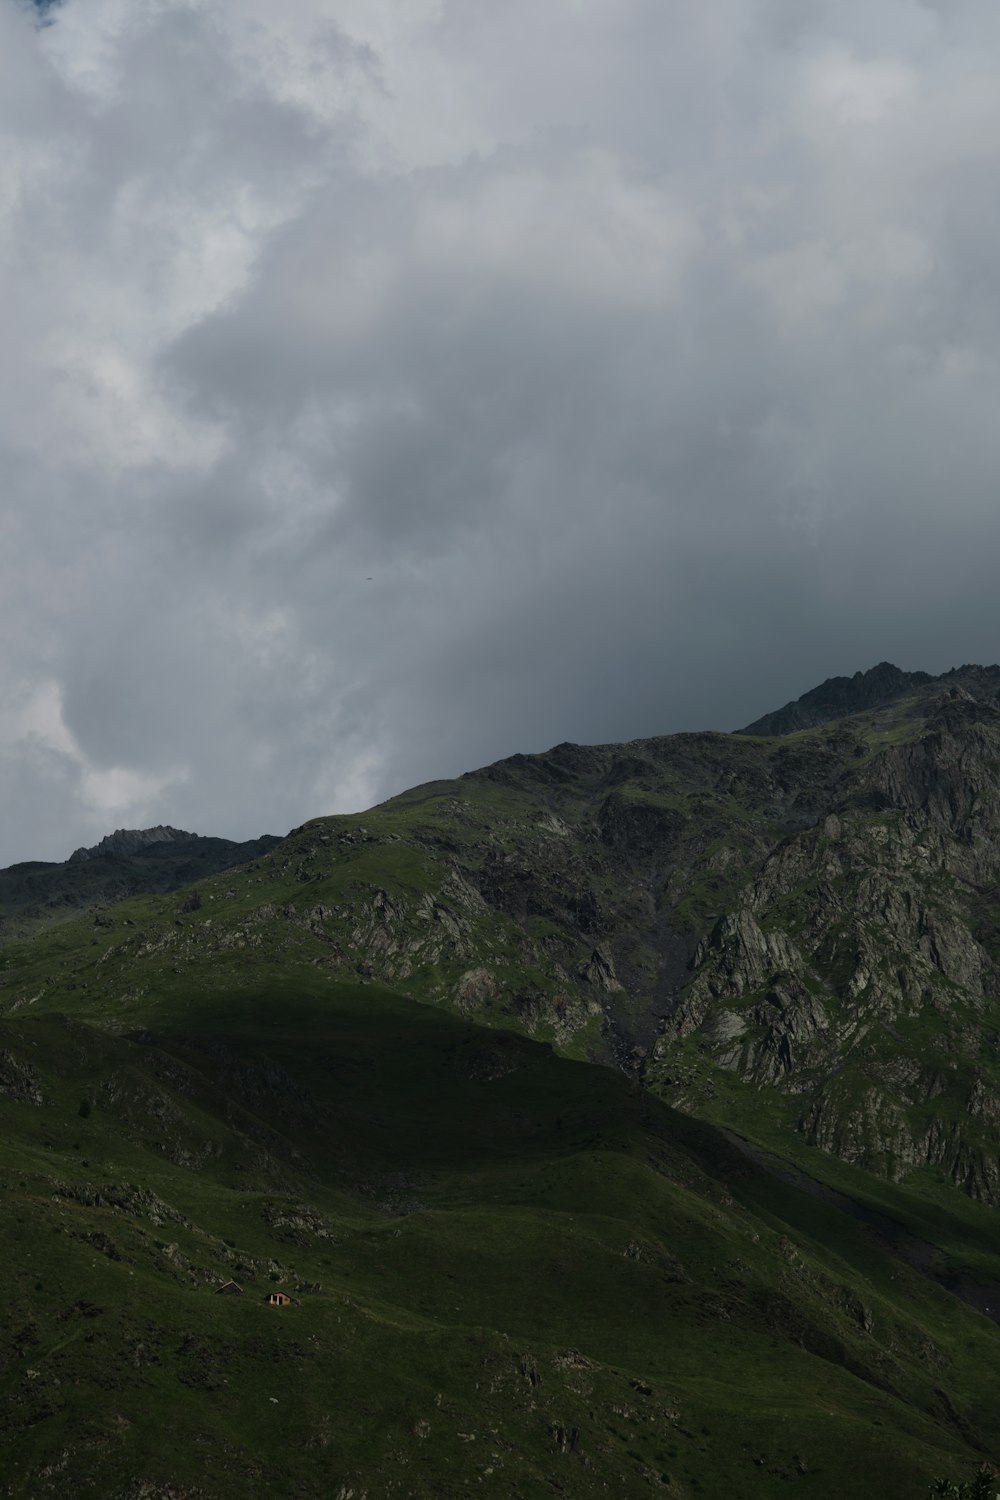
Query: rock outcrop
{"type": "Point", "coordinates": [838, 697]}
{"type": "Point", "coordinates": [858, 968]}
{"type": "Point", "coordinates": [128, 840]}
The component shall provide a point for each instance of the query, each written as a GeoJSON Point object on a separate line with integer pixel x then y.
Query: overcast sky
{"type": "Point", "coordinates": [390, 385]}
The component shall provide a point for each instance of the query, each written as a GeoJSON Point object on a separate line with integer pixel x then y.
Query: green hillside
{"type": "Point", "coordinates": [620, 1119]}
{"type": "Point", "coordinates": [511, 1274]}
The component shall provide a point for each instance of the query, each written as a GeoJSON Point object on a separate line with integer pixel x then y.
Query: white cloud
{"type": "Point", "coordinates": [41, 719]}
{"type": "Point", "coordinates": [37, 733]}
{"type": "Point", "coordinates": [120, 793]}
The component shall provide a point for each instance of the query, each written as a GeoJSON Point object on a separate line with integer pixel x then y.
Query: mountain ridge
{"type": "Point", "coordinates": [128, 862]}
{"type": "Point", "coordinates": [689, 908]}
{"type": "Point", "coordinates": [620, 1117]}
{"type": "Point", "coordinates": [837, 698]}
{"type": "Point", "coordinates": [129, 840]}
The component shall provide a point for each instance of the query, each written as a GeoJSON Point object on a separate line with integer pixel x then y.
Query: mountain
{"type": "Point", "coordinates": [815, 916]}
{"type": "Point", "coordinates": [125, 863]}
{"type": "Point", "coordinates": [622, 1117]}
{"type": "Point", "coordinates": [128, 840]}
{"type": "Point", "coordinates": [838, 697]}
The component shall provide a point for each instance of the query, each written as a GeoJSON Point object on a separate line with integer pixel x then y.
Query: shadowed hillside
{"type": "Point", "coordinates": [508, 1272]}
{"type": "Point", "coordinates": [335, 1071]}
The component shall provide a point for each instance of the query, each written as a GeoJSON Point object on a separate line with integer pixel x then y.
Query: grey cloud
{"type": "Point", "coordinates": [390, 402]}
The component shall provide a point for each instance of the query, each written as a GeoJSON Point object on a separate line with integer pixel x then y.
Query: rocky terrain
{"type": "Point", "coordinates": [488, 997]}
{"type": "Point", "coordinates": [129, 840]}
{"type": "Point", "coordinates": [856, 969]}
{"type": "Point", "coordinates": [814, 914]}
{"type": "Point", "coordinates": [840, 696]}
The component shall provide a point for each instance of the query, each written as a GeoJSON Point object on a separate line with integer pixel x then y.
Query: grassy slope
{"type": "Point", "coordinates": [534, 1278]}
{"type": "Point", "coordinates": [35, 894]}
{"type": "Point", "coordinates": [498, 1250]}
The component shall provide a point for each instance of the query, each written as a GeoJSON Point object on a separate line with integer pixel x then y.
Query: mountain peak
{"type": "Point", "coordinates": [128, 840]}
{"type": "Point", "coordinates": [839, 696]}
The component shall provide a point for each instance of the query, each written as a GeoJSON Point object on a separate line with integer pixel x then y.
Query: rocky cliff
{"type": "Point", "coordinates": [129, 840]}
{"type": "Point", "coordinates": [856, 969]}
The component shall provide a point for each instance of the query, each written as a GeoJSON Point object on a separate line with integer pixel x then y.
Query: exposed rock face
{"type": "Point", "coordinates": [600, 970]}
{"type": "Point", "coordinates": [17, 1080]}
{"type": "Point", "coordinates": [838, 697]}
{"type": "Point", "coordinates": [125, 1198]}
{"type": "Point", "coordinates": [858, 968]}
{"type": "Point", "coordinates": [128, 840]}
{"type": "Point", "coordinates": [475, 989]}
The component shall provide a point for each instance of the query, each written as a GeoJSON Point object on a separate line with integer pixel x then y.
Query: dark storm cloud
{"type": "Point", "coordinates": [391, 395]}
